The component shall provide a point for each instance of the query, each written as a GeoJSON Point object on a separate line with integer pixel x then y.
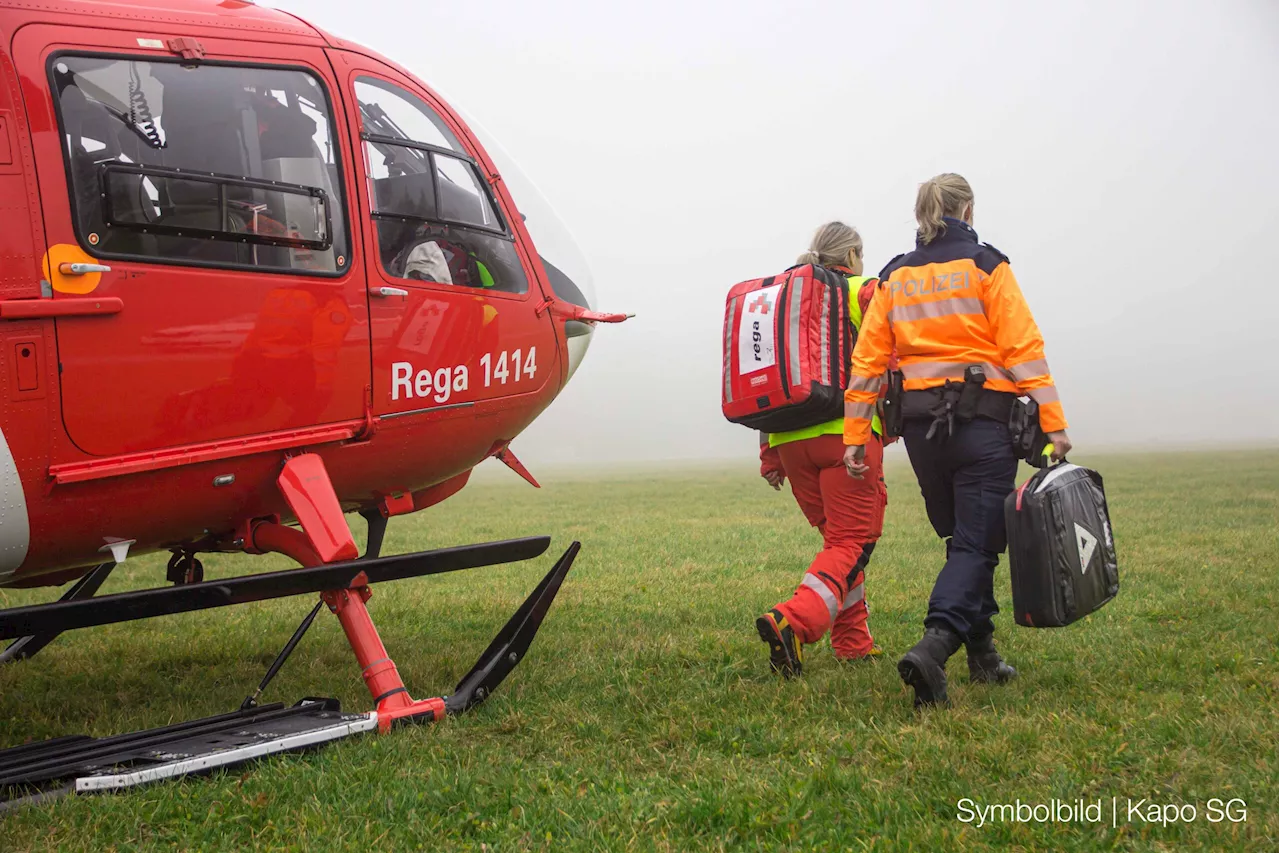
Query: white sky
{"type": "Point", "coordinates": [1124, 155]}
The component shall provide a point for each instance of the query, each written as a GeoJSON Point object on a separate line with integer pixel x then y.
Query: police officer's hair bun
{"type": "Point", "coordinates": [831, 245]}
{"type": "Point", "coordinates": [947, 194]}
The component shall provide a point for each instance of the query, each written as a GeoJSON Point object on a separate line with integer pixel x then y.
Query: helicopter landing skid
{"type": "Point", "coordinates": [391, 698]}
{"type": "Point", "coordinates": [59, 616]}
{"type": "Point", "coordinates": [79, 764]}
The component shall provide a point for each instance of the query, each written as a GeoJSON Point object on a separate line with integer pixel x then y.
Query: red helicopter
{"type": "Point", "coordinates": [256, 277]}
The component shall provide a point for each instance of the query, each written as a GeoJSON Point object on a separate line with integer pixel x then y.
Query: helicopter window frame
{"type": "Point", "coordinates": [471, 206]}
{"type": "Point", "coordinates": [397, 90]}
{"type": "Point", "coordinates": [222, 182]}
{"type": "Point", "coordinates": [338, 240]}
{"type": "Point", "coordinates": [498, 229]}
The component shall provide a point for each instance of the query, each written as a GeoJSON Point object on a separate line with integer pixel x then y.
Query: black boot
{"type": "Point", "coordinates": [925, 666]}
{"type": "Point", "coordinates": [985, 664]}
{"type": "Point", "coordinates": [786, 654]}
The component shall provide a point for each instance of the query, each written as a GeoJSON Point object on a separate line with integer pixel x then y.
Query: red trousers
{"type": "Point", "coordinates": [849, 514]}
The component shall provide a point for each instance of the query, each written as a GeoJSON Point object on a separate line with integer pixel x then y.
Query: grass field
{"type": "Point", "coordinates": [645, 716]}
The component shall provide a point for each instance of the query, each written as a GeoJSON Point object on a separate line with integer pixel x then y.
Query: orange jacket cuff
{"type": "Point", "coordinates": [1052, 418]}
{"type": "Point", "coordinates": [857, 431]}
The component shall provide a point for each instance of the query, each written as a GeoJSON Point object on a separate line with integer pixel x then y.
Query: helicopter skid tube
{"type": "Point", "coordinates": [144, 604]}
{"type": "Point", "coordinates": [393, 703]}
{"type": "Point", "coordinates": [32, 773]}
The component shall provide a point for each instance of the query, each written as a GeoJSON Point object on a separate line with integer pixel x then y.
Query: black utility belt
{"type": "Point", "coordinates": [926, 402]}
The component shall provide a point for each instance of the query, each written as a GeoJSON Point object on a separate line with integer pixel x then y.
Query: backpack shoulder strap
{"type": "Point", "coordinates": [861, 289]}
{"type": "Point", "coordinates": [867, 291]}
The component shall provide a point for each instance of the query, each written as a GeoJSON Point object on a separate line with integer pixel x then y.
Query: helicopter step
{"type": "Point", "coordinates": [82, 764]}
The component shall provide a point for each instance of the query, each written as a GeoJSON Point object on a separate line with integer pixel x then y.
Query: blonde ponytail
{"type": "Point", "coordinates": [831, 245]}
{"type": "Point", "coordinates": [947, 194]}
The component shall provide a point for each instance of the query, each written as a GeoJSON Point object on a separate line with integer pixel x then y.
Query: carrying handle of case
{"type": "Point", "coordinates": [1017, 506]}
{"type": "Point", "coordinates": [1035, 479]}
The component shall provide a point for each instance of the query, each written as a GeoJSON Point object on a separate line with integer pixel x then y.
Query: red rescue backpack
{"type": "Point", "coordinates": [787, 343]}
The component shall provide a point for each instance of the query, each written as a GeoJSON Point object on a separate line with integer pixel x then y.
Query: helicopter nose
{"type": "Point", "coordinates": [577, 333]}
{"type": "Point", "coordinates": [565, 287]}
{"type": "Point", "coordinates": [578, 343]}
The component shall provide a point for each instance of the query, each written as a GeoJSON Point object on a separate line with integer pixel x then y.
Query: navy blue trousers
{"type": "Point", "coordinates": [964, 481]}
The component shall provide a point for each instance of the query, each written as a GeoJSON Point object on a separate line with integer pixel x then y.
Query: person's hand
{"type": "Point", "coordinates": [1061, 445]}
{"type": "Point", "coordinates": [771, 464]}
{"type": "Point", "coordinates": [853, 456]}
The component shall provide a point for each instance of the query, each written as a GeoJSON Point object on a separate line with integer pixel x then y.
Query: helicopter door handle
{"type": "Point", "coordinates": [82, 269]}
{"type": "Point", "coordinates": [389, 291]}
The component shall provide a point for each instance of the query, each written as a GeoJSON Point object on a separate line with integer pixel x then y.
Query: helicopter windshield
{"type": "Point", "coordinates": [566, 266]}
{"type": "Point", "coordinates": [563, 260]}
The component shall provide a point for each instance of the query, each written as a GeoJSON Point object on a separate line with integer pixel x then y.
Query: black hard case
{"type": "Point", "coordinates": [1062, 555]}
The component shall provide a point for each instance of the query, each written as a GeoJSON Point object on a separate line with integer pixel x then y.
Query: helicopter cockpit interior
{"type": "Point", "coordinates": [206, 164]}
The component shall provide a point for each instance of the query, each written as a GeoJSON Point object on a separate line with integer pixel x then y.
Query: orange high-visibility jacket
{"type": "Point", "coordinates": [951, 303]}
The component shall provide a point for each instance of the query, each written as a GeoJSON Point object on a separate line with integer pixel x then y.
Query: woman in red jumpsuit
{"type": "Point", "coordinates": [849, 513]}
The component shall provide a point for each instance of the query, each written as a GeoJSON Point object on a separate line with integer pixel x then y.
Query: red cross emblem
{"type": "Point", "coordinates": [760, 305]}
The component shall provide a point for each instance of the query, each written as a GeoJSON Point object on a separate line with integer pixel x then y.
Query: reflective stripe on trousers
{"type": "Point", "coordinates": [824, 592]}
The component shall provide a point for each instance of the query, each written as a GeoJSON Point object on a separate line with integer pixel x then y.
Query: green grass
{"type": "Point", "coordinates": [645, 716]}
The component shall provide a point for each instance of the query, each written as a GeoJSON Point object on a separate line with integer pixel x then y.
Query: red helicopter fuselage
{"type": "Point", "coordinates": [230, 238]}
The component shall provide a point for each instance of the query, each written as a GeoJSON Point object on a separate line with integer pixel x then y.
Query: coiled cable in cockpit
{"type": "Point", "coordinates": [140, 111]}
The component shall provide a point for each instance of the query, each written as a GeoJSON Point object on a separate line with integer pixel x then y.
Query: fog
{"type": "Point", "coordinates": [1124, 156]}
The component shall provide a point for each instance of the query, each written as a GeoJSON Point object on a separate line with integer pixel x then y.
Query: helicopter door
{"type": "Point", "coordinates": [454, 308]}
{"type": "Point", "coordinates": [212, 189]}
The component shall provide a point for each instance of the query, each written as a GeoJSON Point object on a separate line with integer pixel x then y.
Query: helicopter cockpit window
{"type": "Point", "coordinates": [435, 217]}
{"type": "Point", "coordinates": [215, 165]}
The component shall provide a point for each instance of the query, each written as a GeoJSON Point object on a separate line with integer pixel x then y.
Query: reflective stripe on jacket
{"type": "Point", "coordinates": [836, 426]}
{"type": "Point", "coordinates": [949, 304]}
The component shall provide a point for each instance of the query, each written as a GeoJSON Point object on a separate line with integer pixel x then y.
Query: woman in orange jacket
{"type": "Point", "coordinates": [967, 348]}
{"type": "Point", "coordinates": [848, 513]}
